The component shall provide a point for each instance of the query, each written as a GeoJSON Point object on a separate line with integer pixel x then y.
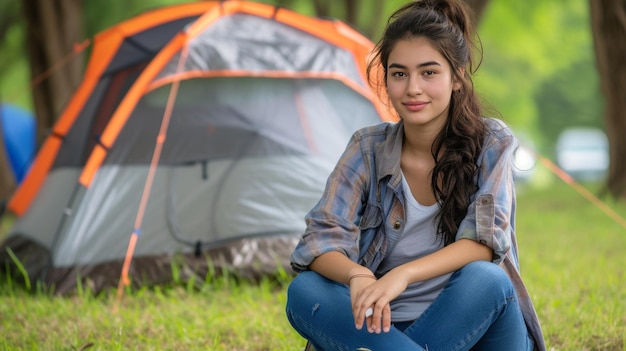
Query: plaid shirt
{"type": "Point", "coordinates": [361, 211]}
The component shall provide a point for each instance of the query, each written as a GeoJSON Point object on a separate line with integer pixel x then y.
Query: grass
{"type": "Point", "coordinates": [572, 260]}
{"type": "Point", "coordinates": [222, 315]}
{"type": "Point", "coordinates": [572, 257]}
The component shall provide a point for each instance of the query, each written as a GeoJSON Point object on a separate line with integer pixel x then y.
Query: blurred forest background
{"type": "Point", "coordinates": [539, 71]}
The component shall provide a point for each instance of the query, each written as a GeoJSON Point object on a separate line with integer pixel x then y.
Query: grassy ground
{"type": "Point", "coordinates": [572, 258]}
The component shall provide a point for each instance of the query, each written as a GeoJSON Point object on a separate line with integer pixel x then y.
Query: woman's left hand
{"type": "Point", "coordinates": [377, 297]}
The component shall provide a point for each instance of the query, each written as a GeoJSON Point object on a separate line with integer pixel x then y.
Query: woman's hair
{"type": "Point", "coordinates": [448, 26]}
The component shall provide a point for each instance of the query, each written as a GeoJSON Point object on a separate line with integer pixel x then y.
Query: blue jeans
{"type": "Point", "coordinates": [477, 310]}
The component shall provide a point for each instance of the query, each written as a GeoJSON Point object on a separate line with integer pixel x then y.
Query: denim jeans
{"type": "Point", "coordinates": [477, 310]}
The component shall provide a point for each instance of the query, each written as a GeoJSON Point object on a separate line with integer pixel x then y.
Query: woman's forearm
{"type": "Point", "coordinates": [445, 260]}
{"type": "Point", "coordinates": [336, 266]}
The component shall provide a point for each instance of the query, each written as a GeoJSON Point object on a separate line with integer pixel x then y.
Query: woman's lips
{"type": "Point", "coordinates": [415, 106]}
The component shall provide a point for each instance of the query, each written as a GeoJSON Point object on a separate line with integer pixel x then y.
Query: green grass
{"type": "Point", "coordinates": [218, 317]}
{"type": "Point", "coordinates": [572, 258]}
{"type": "Point", "coordinates": [574, 264]}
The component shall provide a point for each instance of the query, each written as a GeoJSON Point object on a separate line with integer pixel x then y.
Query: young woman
{"type": "Point", "coordinates": [412, 245]}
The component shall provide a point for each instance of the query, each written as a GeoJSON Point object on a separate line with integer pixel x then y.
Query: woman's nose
{"type": "Point", "coordinates": [414, 86]}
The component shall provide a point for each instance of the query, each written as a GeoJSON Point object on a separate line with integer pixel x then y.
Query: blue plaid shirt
{"type": "Point", "coordinates": [361, 211]}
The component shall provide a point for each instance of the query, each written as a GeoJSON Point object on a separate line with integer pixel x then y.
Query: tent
{"type": "Point", "coordinates": [17, 146]}
{"type": "Point", "coordinates": [199, 137]}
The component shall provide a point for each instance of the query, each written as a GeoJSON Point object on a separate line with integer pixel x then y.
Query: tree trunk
{"type": "Point", "coordinates": [7, 179]}
{"type": "Point", "coordinates": [53, 27]}
{"type": "Point", "coordinates": [478, 6]}
{"type": "Point", "coordinates": [352, 11]}
{"type": "Point", "coordinates": [608, 22]}
{"type": "Point", "coordinates": [322, 8]}
{"type": "Point", "coordinates": [369, 24]}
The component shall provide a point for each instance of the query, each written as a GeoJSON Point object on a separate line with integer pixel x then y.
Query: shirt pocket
{"type": "Point", "coordinates": [372, 217]}
{"type": "Point", "coordinates": [369, 244]}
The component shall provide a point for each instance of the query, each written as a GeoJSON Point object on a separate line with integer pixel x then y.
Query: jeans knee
{"type": "Point", "coordinates": [488, 277]}
{"type": "Point", "coordinates": [302, 282]}
{"type": "Point", "coordinates": [296, 297]}
{"type": "Point", "coordinates": [296, 289]}
{"type": "Point", "coordinates": [306, 293]}
{"type": "Point", "coordinates": [302, 288]}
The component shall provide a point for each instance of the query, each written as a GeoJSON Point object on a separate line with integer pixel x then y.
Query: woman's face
{"type": "Point", "coordinates": [419, 83]}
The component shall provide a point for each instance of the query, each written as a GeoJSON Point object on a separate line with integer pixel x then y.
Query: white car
{"type": "Point", "coordinates": [583, 153]}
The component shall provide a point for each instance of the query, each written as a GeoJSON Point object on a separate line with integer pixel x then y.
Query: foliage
{"type": "Point", "coordinates": [538, 70]}
{"type": "Point", "coordinates": [570, 98]}
{"type": "Point", "coordinates": [14, 76]}
{"type": "Point", "coordinates": [10, 22]}
{"type": "Point", "coordinates": [116, 11]}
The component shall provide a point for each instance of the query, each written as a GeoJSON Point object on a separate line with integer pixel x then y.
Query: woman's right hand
{"type": "Point", "coordinates": [357, 285]}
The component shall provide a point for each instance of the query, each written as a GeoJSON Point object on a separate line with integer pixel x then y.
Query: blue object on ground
{"type": "Point", "coordinates": [18, 133]}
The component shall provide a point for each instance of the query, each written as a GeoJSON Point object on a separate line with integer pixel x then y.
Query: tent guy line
{"type": "Point", "coordinates": [160, 140]}
{"type": "Point", "coordinates": [582, 190]}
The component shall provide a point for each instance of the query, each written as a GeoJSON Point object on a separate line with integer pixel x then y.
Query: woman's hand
{"type": "Point", "coordinates": [366, 293]}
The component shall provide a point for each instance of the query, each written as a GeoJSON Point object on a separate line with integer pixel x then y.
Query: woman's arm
{"type": "Point", "coordinates": [446, 260]}
{"type": "Point", "coordinates": [378, 294]}
{"type": "Point", "coordinates": [332, 224]}
{"type": "Point", "coordinates": [490, 215]}
{"type": "Point", "coordinates": [336, 266]}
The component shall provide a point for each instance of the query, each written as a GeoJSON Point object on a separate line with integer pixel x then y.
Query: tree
{"type": "Point", "coordinates": [9, 17]}
{"type": "Point", "coordinates": [53, 28]}
{"type": "Point", "coordinates": [366, 15]}
{"type": "Point", "coordinates": [478, 6]}
{"type": "Point", "coordinates": [7, 181]}
{"type": "Point", "coordinates": [608, 21]}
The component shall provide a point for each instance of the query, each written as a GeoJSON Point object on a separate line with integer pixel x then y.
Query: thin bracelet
{"type": "Point", "coordinates": [364, 275]}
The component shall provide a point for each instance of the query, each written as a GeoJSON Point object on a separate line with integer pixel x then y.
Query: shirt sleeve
{"type": "Point", "coordinates": [332, 224]}
{"type": "Point", "coordinates": [489, 218]}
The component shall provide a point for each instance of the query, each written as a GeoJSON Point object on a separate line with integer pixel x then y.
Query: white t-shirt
{"type": "Point", "coordinates": [418, 239]}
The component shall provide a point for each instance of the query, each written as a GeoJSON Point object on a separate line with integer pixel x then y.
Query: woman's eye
{"type": "Point", "coordinates": [429, 73]}
{"type": "Point", "coordinates": [398, 74]}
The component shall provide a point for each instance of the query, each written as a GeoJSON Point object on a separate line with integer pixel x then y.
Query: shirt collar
{"type": "Point", "coordinates": [389, 151]}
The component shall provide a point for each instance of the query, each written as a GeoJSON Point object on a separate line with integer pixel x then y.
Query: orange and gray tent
{"type": "Point", "coordinates": [200, 135]}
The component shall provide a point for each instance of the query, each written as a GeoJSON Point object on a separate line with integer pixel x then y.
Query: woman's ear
{"type": "Point", "coordinates": [456, 85]}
